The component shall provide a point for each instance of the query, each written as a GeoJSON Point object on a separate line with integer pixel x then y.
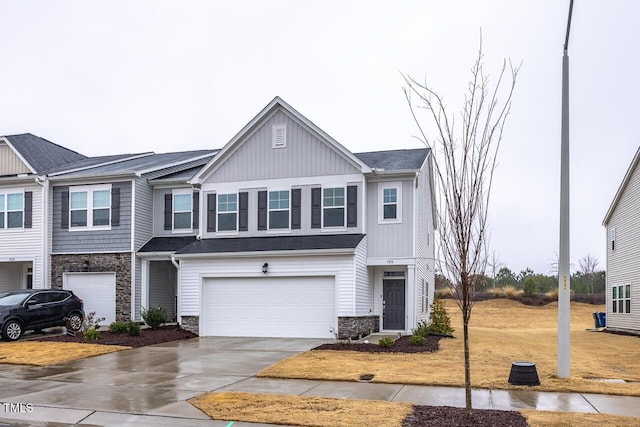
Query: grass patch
{"type": "Point", "coordinates": [300, 410]}
{"type": "Point", "coordinates": [564, 419]}
{"type": "Point", "coordinates": [501, 331]}
{"type": "Point", "coordinates": [41, 353]}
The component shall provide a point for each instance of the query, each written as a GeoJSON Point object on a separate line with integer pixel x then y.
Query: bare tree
{"type": "Point", "coordinates": [495, 264]}
{"type": "Point", "coordinates": [588, 265]}
{"type": "Point", "coordinates": [464, 162]}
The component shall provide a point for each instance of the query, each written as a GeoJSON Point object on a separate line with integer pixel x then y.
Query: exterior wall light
{"type": "Point", "coordinates": [265, 268]}
{"type": "Point", "coordinates": [85, 265]}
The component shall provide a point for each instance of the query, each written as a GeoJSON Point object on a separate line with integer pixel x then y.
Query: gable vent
{"type": "Point", "coordinates": [279, 139]}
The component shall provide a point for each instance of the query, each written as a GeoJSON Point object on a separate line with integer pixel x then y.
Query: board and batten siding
{"type": "Point", "coordinates": [305, 154]}
{"type": "Point", "coordinates": [193, 270]}
{"type": "Point", "coordinates": [392, 240]}
{"type": "Point", "coordinates": [25, 244]}
{"type": "Point", "coordinates": [623, 264]}
{"type": "Point", "coordinates": [117, 239]}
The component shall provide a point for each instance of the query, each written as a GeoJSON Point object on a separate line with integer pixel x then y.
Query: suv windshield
{"type": "Point", "coordinates": [13, 299]}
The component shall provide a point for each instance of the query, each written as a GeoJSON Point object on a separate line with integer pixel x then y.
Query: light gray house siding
{"type": "Point", "coordinates": [425, 252]}
{"type": "Point", "coordinates": [623, 263]}
{"type": "Point", "coordinates": [158, 214]}
{"type": "Point", "coordinates": [117, 239]}
{"type": "Point", "coordinates": [305, 154]}
{"type": "Point", "coordinates": [143, 213]}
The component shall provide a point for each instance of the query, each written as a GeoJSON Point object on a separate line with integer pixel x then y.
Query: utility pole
{"type": "Point", "coordinates": [564, 274]}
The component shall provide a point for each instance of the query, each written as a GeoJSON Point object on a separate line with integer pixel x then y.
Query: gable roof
{"type": "Point", "coordinates": [623, 185]}
{"type": "Point", "coordinates": [239, 139]}
{"type": "Point", "coordinates": [40, 154]}
{"type": "Point", "coordinates": [395, 160]}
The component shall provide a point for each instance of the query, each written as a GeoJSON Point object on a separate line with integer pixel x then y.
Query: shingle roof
{"type": "Point", "coordinates": [41, 154]}
{"type": "Point", "coordinates": [395, 159]}
{"type": "Point", "coordinates": [275, 243]}
{"type": "Point", "coordinates": [167, 244]}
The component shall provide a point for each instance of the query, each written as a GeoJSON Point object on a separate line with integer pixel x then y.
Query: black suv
{"type": "Point", "coordinates": [36, 309]}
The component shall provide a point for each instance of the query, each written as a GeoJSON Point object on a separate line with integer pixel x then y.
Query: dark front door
{"type": "Point", "coordinates": [393, 304]}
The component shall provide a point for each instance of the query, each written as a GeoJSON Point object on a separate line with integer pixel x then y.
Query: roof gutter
{"type": "Point", "coordinates": [279, 253]}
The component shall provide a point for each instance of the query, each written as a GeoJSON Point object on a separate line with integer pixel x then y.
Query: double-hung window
{"type": "Point", "coordinates": [182, 209]}
{"type": "Point", "coordinates": [621, 299]}
{"type": "Point", "coordinates": [333, 207]}
{"type": "Point", "coordinates": [90, 206]}
{"type": "Point", "coordinates": [11, 210]}
{"type": "Point", "coordinates": [227, 212]}
{"type": "Point", "coordinates": [279, 209]}
{"type": "Point", "coordinates": [390, 205]}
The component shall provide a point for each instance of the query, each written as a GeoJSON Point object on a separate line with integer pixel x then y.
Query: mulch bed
{"type": "Point", "coordinates": [146, 337]}
{"type": "Point", "coordinates": [401, 345]}
{"type": "Point", "coordinates": [441, 416]}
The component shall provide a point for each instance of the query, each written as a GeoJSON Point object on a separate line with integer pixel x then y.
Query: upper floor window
{"type": "Point", "coordinates": [90, 206]}
{"type": "Point", "coordinates": [612, 234]}
{"type": "Point", "coordinates": [278, 209]}
{"type": "Point", "coordinates": [182, 209]}
{"type": "Point", "coordinates": [390, 206]}
{"type": "Point", "coordinates": [227, 212]}
{"type": "Point", "coordinates": [12, 210]}
{"type": "Point", "coordinates": [333, 207]}
{"type": "Point", "coordinates": [621, 299]}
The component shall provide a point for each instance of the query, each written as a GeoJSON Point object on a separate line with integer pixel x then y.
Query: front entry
{"type": "Point", "coordinates": [393, 304]}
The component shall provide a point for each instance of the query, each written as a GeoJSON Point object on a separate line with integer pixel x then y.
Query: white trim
{"type": "Point", "coordinates": [4, 210]}
{"type": "Point", "coordinates": [181, 192]}
{"type": "Point", "coordinates": [19, 155]}
{"type": "Point", "coordinates": [397, 185]}
{"type": "Point", "coordinates": [269, 210]}
{"type": "Point", "coordinates": [111, 162]}
{"type": "Point", "coordinates": [294, 253]}
{"type": "Point", "coordinates": [89, 189]}
{"type": "Point", "coordinates": [342, 227]}
{"type": "Point", "coordinates": [236, 212]}
{"type": "Point", "coordinates": [230, 187]}
{"type": "Point", "coordinates": [144, 284]}
{"type": "Point", "coordinates": [389, 262]}
{"type": "Point", "coordinates": [176, 163]}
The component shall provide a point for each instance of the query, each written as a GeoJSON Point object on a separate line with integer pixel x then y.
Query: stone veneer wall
{"type": "Point", "coordinates": [191, 324]}
{"type": "Point", "coordinates": [357, 327]}
{"type": "Point", "coordinates": [120, 263]}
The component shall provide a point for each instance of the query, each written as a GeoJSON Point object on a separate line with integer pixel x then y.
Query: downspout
{"type": "Point", "coordinates": [44, 183]}
{"type": "Point", "coordinates": [176, 264]}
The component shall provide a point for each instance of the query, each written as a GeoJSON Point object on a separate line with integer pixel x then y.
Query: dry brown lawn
{"type": "Point", "coordinates": [40, 353]}
{"type": "Point", "coordinates": [301, 410]}
{"type": "Point", "coordinates": [501, 332]}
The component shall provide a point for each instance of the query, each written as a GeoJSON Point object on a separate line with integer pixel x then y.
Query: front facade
{"type": "Point", "coordinates": [622, 224]}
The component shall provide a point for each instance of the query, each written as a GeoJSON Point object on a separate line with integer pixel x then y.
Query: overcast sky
{"type": "Point", "coordinates": [134, 76]}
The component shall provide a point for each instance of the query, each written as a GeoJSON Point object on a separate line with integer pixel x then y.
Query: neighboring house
{"type": "Point", "coordinates": [101, 215]}
{"type": "Point", "coordinates": [24, 159]}
{"type": "Point", "coordinates": [299, 237]}
{"type": "Point", "coordinates": [622, 223]}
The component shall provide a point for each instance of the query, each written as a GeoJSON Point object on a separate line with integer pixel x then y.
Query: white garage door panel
{"type": "Point", "coordinates": [97, 291]}
{"type": "Point", "coordinates": [269, 307]}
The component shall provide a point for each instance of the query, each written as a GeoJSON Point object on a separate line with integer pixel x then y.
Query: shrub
{"type": "Point", "coordinates": [530, 286]}
{"type": "Point", "coordinates": [417, 339]}
{"type": "Point", "coordinates": [439, 320]}
{"type": "Point", "coordinates": [154, 317]}
{"type": "Point", "coordinates": [511, 292]}
{"type": "Point", "coordinates": [91, 335]}
{"type": "Point", "coordinates": [133, 328]}
{"type": "Point", "coordinates": [422, 329]}
{"type": "Point", "coordinates": [443, 293]}
{"type": "Point", "coordinates": [118, 327]}
{"type": "Point", "coordinates": [386, 342]}
{"type": "Point", "coordinates": [553, 294]}
{"type": "Point", "coordinates": [90, 321]}
{"type": "Point", "coordinates": [497, 292]}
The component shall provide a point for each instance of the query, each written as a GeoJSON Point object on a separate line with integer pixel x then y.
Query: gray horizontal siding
{"type": "Point", "coordinates": [143, 213]}
{"type": "Point", "coordinates": [116, 239]}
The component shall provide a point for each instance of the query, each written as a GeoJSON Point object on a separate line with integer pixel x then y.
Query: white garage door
{"type": "Point", "coordinates": [97, 290]}
{"type": "Point", "coordinates": [269, 307]}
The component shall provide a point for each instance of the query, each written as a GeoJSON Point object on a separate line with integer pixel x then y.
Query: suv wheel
{"type": "Point", "coordinates": [74, 322]}
{"type": "Point", "coordinates": [12, 330]}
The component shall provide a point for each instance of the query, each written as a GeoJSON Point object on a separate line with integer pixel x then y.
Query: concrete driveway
{"type": "Point", "coordinates": [143, 386]}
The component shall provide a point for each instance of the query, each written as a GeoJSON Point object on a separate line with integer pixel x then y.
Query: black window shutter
{"type": "Point", "coordinates": [316, 207]}
{"type": "Point", "coordinates": [243, 211]}
{"type": "Point", "coordinates": [168, 211]}
{"type": "Point", "coordinates": [196, 210]}
{"type": "Point", "coordinates": [352, 206]}
{"type": "Point", "coordinates": [262, 210]}
{"type": "Point", "coordinates": [64, 211]}
{"type": "Point", "coordinates": [296, 202]}
{"type": "Point", "coordinates": [28, 209]}
{"type": "Point", "coordinates": [211, 212]}
{"type": "Point", "coordinates": [115, 207]}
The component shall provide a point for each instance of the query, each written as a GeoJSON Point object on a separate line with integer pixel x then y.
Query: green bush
{"type": "Point", "coordinates": [386, 342]}
{"type": "Point", "coordinates": [118, 327]}
{"type": "Point", "coordinates": [91, 335]}
{"type": "Point", "coordinates": [422, 329]}
{"type": "Point", "coordinates": [439, 320]}
{"type": "Point", "coordinates": [154, 317]}
{"type": "Point", "coordinates": [530, 286]}
{"type": "Point", "coordinates": [417, 339]}
{"type": "Point", "coordinates": [133, 328]}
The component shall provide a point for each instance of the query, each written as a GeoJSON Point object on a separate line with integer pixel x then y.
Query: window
{"type": "Point", "coordinates": [182, 210]}
{"type": "Point", "coordinates": [390, 206]}
{"type": "Point", "coordinates": [621, 299]}
{"type": "Point", "coordinates": [333, 207]}
{"type": "Point", "coordinates": [90, 206]}
{"type": "Point", "coordinates": [11, 210]}
{"type": "Point", "coordinates": [227, 212]}
{"type": "Point", "coordinates": [613, 239]}
{"type": "Point", "coordinates": [278, 209]}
